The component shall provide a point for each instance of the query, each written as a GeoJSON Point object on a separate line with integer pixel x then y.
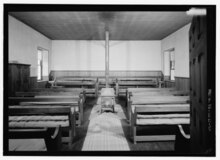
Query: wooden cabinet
{"type": "Point", "coordinates": [18, 78]}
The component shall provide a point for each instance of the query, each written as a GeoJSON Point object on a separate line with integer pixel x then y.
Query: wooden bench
{"type": "Point", "coordinates": [55, 91]}
{"type": "Point", "coordinates": [74, 101]}
{"type": "Point", "coordinates": [143, 92]}
{"type": "Point", "coordinates": [49, 93]}
{"type": "Point", "coordinates": [102, 82]}
{"type": "Point", "coordinates": [58, 89]}
{"type": "Point", "coordinates": [156, 93]}
{"type": "Point", "coordinates": [49, 116]}
{"type": "Point", "coordinates": [162, 92]}
{"type": "Point", "coordinates": [146, 100]}
{"type": "Point", "coordinates": [147, 106]}
{"type": "Point", "coordinates": [90, 84]}
{"type": "Point", "coordinates": [148, 89]}
{"type": "Point", "coordinates": [125, 91]}
{"type": "Point", "coordinates": [159, 115]}
{"type": "Point", "coordinates": [124, 83]}
{"type": "Point", "coordinates": [51, 136]}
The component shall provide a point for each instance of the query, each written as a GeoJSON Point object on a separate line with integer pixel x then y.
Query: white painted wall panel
{"type": "Point", "coordinates": [90, 55]}
{"type": "Point", "coordinates": [178, 40]}
{"type": "Point", "coordinates": [23, 44]}
{"type": "Point", "coordinates": [78, 55]}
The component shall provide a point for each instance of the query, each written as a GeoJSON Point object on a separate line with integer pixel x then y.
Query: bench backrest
{"type": "Point", "coordinates": [149, 89]}
{"type": "Point", "coordinates": [32, 94]}
{"type": "Point", "coordinates": [159, 93]}
{"type": "Point", "coordinates": [59, 89]}
{"type": "Point", "coordinates": [67, 99]}
{"type": "Point", "coordinates": [40, 110]}
{"type": "Point", "coordinates": [162, 108]}
{"type": "Point", "coordinates": [159, 100]}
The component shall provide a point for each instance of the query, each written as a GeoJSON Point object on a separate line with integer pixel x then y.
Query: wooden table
{"type": "Point", "coordinates": [107, 99]}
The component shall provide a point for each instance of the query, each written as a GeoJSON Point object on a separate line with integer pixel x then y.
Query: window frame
{"type": "Point", "coordinates": [42, 50]}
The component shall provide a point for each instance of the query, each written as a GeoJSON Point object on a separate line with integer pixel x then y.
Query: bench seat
{"type": "Point", "coordinates": [163, 121]}
{"type": "Point", "coordinates": [38, 121]}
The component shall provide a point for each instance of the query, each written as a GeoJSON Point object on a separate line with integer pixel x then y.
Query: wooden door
{"type": "Point", "coordinates": [200, 91]}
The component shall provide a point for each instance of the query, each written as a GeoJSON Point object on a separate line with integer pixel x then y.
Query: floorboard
{"type": "Point", "coordinates": [110, 131]}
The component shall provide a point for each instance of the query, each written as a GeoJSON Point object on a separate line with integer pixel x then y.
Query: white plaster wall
{"type": "Point", "coordinates": [178, 40]}
{"type": "Point", "coordinates": [90, 55]}
{"type": "Point", "coordinates": [23, 44]}
{"type": "Point", "coordinates": [77, 55]}
{"type": "Point", "coordinates": [135, 55]}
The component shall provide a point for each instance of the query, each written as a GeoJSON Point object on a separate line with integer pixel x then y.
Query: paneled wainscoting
{"type": "Point", "coordinates": [182, 83]}
{"type": "Point", "coordinates": [34, 83]}
{"type": "Point", "coordinates": [77, 73]}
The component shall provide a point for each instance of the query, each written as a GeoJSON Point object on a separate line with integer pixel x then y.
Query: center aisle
{"type": "Point", "coordinates": [105, 132]}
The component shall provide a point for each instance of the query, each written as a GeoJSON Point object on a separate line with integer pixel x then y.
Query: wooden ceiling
{"type": "Point", "coordinates": [92, 25]}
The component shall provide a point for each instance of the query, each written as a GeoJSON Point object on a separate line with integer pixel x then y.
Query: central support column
{"type": "Point", "coordinates": [106, 59]}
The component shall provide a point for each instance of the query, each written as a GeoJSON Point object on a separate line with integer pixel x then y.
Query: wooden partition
{"type": "Point", "coordinates": [182, 83]}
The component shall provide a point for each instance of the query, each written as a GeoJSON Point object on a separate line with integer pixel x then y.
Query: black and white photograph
{"type": "Point", "coordinates": [109, 80]}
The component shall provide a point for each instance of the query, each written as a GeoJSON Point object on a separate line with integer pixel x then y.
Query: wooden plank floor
{"type": "Point", "coordinates": [110, 132]}
{"type": "Point", "coordinates": [105, 132]}
{"type": "Point", "coordinates": [27, 145]}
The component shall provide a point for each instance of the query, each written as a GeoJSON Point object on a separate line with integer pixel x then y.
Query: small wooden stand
{"type": "Point", "coordinates": [107, 99]}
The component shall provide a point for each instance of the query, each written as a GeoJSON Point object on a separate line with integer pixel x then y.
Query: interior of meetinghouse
{"type": "Point", "coordinates": [125, 79]}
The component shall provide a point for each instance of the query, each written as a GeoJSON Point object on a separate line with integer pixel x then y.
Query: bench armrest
{"type": "Point", "coordinates": [187, 136]}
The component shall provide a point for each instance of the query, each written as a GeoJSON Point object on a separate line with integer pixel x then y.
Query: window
{"type": "Point", "coordinates": [172, 65]}
{"type": "Point", "coordinates": [39, 65]}
{"type": "Point", "coordinates": [42, 64]}
{"type": "Point", "coordinates": [169, 64]}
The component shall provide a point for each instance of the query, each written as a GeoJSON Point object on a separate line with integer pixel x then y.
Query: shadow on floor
{"type": "Point", "coordinates": [81, 131]}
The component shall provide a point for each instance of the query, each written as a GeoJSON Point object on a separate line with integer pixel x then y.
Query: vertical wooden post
{"type": "Point", "coordinates": [106, 58]}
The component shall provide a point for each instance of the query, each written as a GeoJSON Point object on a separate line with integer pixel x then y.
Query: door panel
{"type": "Point", "coordinates": [198, 85]}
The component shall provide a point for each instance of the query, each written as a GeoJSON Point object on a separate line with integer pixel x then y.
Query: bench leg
{"type": "Point", "coordinates": [134, 134]}
{"type": "Point", "coordinates": [54, 143]}
{"type": "Point", "coordinates": [80, 118]}
{"type": "Point", "coordinates": [71, 134]}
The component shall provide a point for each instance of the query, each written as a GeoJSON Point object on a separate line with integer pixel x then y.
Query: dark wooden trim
{"type": "Point", "coordinates": [104, 71]}
{"type": "Point", "coordinates": [182, 77]}
{"type": "Point", "coordinates": [17, 63]}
